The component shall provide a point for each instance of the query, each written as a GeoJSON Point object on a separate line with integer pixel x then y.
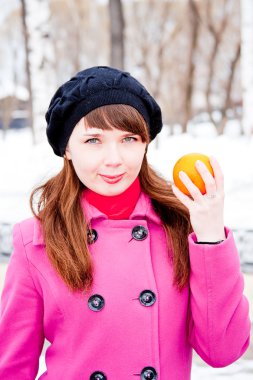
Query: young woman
{"type": "Point", "coordinates": [121, 273]}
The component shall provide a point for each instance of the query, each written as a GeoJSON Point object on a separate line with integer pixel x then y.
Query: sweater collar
{"type": "Point", "coordinates": [118, 207]}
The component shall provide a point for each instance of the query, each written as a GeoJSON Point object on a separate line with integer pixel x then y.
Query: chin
{"type": "Point", "coordinates": [115, 190]}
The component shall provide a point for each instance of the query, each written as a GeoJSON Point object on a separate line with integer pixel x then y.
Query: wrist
{"type": "Point", "coordinates": [211, 238]}
{"type": "Point", "coordinates": [209, 242]}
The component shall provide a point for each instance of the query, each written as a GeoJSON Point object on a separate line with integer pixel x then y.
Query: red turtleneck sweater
{"type": "Point", "coordinates": [116, 206]}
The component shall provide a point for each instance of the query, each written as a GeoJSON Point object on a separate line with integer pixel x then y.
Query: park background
{"type": "Point", "coordinates": [194, 56]}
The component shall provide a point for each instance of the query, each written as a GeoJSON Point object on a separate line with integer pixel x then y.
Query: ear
{"type": "Point", "coordinates": [67, 154]}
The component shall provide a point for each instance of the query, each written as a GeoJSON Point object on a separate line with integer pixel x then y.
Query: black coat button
{"type": "Point", "coordinates": [148, 373]}
{"type": "Point", "coordinates": [98, 376]}
{"type": "Point", "coordinates": [96, 302]}
{"type": "Point", "coordinates": [147, 298]}
{"type": "Point", "coordinates": [92, 236]}
{"type": "Point", "coordinates": [139, 233]}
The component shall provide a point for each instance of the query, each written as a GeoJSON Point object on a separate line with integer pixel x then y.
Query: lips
{"type": "Point", "coordinates": [111, 176]}
{"type": "Point", "coordinates": [112, 179]}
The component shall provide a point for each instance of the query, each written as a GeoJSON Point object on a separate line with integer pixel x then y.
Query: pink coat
{"type": "Point", "coordinates": [134, 324]}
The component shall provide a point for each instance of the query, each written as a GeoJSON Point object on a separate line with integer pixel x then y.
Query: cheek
{"type": "Point", "coordinates": [135, 159]}
{"type": "Point", "coordinates": [85, 172]}
{"type": "Point", "coordinates": [83, 165]}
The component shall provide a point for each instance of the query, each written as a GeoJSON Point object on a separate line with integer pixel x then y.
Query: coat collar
{"type": "Point", "coordinates": [38, 238]}
{"type": "Point", "coordinates": [143, 209]}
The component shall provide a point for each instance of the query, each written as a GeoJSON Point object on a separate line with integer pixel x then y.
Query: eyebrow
{"type": "Point", "coordinates": [91, 134]}
{"type": "Point", "coordinates": [100, 134]}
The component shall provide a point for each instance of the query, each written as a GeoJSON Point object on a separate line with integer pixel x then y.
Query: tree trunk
{"type": "Point", "coordinates": [39, 57]}
{"type": "Point", "coordinates": [193, 39]}
{"type": "Point", "coordinates": [117, 33]}
{"type": "Point", "coordinates": [247, 65]}
{"type": "Point", "coordinates": [7, 106]}
{"type": "Point", "coordinates": [28, 67]}
{"type": "Point", "coordinates": [217, 34]}
{"type": "Point", "coordinates": [227, 102]}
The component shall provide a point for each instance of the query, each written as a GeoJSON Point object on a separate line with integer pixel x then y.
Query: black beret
{"type": "Point", "coordinates": [93, 88]}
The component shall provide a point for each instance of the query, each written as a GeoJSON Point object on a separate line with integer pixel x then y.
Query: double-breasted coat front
{"type": "Point", "coordinates": [134, 324]}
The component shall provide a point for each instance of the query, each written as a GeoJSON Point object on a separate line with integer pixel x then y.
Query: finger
{"type": "Point", "coordinates": [207, 177]}
{"type": "Point", "coordinates": [181, 196]}
{"type": "Point", "coordinates": [193, 189]}
{"type": "Point", "coordinates": [218, 174]}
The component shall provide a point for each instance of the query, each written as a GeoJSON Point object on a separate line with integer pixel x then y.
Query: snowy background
{"type": "Point", "coordinates": [24, 166]}
{"type": "Point", "coordinates": [57, 49]}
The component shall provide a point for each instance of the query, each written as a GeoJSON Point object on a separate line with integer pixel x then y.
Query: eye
{"type": "Point", "coordinates": [130, 139]}
{"type": "Point", "coordinates": [92, 141]}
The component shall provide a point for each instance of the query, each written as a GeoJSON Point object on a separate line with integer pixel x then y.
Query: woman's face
{"type": "Point", "coordinates": [105, 161]}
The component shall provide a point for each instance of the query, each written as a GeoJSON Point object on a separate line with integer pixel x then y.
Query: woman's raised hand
{"type": "Point", "coordinates": [206, 211]}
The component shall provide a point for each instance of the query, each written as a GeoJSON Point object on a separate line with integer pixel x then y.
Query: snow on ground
{"type": "Point", "coordinates": [23, 166]}
{"type": "Point", "coordinates": [240, 370]}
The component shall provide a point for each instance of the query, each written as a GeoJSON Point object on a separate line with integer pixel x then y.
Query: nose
{"type": "Point", "coordinates": [113, 156]}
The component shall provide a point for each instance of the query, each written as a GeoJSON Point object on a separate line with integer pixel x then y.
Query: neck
{"type": "Point", "coordinates": [116, 206]}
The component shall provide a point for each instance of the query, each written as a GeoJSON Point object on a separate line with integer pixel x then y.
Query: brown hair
{"type": "Point", "coordinates": [63, 222]}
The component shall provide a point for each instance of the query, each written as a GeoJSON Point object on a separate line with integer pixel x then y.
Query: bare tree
{"type": "Point", "coordinates": [28, 67]}
{"type": "Point", "coordinates": [75, 14]}
{"type": "Point", "coordinates": [186, 54]}
{"type": "Point", "coordinates": [7, 105]}
{"type": "Point", "coordinates": [194, 20]}
{"type": "Point", "coordinates": [151, 46]}
{"type": "Point", "coordinates": [217, 34]}
{"type": "Point", "coordinates": [117, 33]}
{"type": "Point", "coordinates": [247, 64]}
{"type": "Point", "coordinates": [8, 101]}
{"type": "Point", "coordinates": [227, 103]}
{"type": "Point", "coordinates": [79, 36]}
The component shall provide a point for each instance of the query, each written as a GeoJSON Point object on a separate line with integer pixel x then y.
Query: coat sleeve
{"type": "Point", "coordinates": [219, 324]}
{"type": "Point", "coordinates": [21, 318]}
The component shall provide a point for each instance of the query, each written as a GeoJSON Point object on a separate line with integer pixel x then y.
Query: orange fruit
{"type": "Point", "coordinates": [187, 164]}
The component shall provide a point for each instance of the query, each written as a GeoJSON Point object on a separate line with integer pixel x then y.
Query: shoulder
{"type": "Point", "coordinates": [26, 230]}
